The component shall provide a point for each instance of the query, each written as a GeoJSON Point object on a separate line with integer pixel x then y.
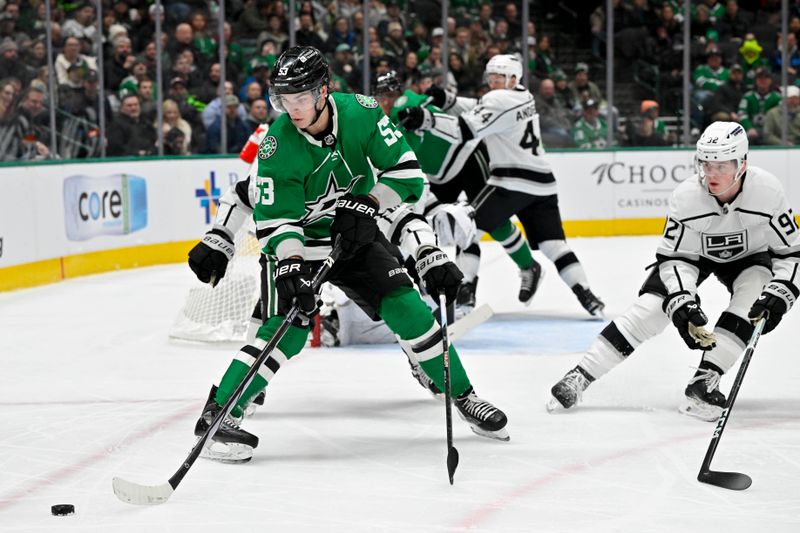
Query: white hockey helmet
{"type": "Point", "coordinates": [723, 141]}
{"type": "Point", "coordinates": [506, 65]}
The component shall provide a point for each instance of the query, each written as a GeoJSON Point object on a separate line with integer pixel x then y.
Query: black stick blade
{"type": "Point", "coordinates": [726, 480]}
{"type": "Point", "coordinates": [452, 462]}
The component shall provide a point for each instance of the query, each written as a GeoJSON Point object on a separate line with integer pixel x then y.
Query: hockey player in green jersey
{"type": "Point", "coordinates": [315, 184]}
{"type": "Point", "coordinates": [452, 169]}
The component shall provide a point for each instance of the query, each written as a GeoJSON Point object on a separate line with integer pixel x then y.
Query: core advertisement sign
{"type": "Point", "coordinates": [104, 205]}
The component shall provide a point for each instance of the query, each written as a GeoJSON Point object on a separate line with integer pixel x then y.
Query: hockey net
{"type": "Point", "coordinates": [222, 313]}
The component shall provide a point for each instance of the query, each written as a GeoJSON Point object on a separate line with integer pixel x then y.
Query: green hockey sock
{"type": "Point", "coordinates": [514, 244]}
{"type": "Point", "coordinates": [408, 317]}
{"type": "Point", "coordinates": [289, 346]}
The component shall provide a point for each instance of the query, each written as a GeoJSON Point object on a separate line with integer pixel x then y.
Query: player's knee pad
{"type": "Point", "coordinates": [746, 289]}
{"type": "Point", "coordinates": [643, 320]}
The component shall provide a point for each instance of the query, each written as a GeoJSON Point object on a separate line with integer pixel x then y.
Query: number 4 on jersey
{"type": "Point", "coordinates": [529, 140]}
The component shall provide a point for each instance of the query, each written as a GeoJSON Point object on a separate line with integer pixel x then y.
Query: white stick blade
{"type": "Point", "coordinates": [463, 325]}
{"type": "Point", "coordinates": [136, 494]}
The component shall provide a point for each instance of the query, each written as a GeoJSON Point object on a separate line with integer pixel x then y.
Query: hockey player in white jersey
{"type": "Point", "coordinates": [521, 180]}
{"type": "Point", "coordinates": [731, 220]}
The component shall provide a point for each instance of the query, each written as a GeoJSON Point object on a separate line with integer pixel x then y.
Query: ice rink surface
{"type": "Point", "coordinates": [91, 388]}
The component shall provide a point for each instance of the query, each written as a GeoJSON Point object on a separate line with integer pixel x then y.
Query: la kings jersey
{"type": "Point", "coordinates": [699, 230]}
{"type": "Point", "coordinates": [507, 122]}
{"type": "Point", "coordinates": [300, 178]}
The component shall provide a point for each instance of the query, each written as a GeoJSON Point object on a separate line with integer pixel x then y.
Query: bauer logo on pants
{"type": "Point", "coordinates": [106, 205]}
{"type": "Point", "coordinates": [725, 246]}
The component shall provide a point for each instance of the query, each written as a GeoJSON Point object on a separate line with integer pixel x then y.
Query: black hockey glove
{"type": "Point", "coordinates": [438, 96]}
{"type": "Point", "coordinates": [293, 282]}
{"type": "Point", "coordinates": [684, 311]}
{"type": "Point", "coordinates": [439, 273]}
{"type": "Point", "coordinates": [775, 300]}
{"type": "Point", "coordinates": [415, 118]}
{"type": "Point", "coordinates": [209, 257]}
{"type": "Point", "coordinates": [354, 222]}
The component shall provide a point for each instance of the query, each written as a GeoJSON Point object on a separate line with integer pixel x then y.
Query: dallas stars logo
{"type": "Point", "coordinates": [268, 147]}
{"type": "Point", "coordinates": [325, 203]}
{"type": "Point", "coordinates": [367, 101]}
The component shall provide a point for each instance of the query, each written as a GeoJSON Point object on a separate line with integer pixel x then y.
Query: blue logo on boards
{"type": "Point", "coordinates": [209, 197]}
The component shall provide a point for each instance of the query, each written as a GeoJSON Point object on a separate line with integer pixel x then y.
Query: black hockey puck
{"type": "Point", "coordinates": [62, 509]}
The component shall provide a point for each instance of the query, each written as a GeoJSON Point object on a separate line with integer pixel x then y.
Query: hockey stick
{"type": "Point", "coordinates": [137, 494]}
{"type": "Point", "coordinates": [452, 453]}
{"type": "Point", "coordinates": [730, 480]}
{"type": "Point", "coordinates": [470, 321]}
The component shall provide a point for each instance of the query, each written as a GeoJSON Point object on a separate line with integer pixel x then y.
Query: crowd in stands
{"type": "Point", "coordinates": [735, 57]}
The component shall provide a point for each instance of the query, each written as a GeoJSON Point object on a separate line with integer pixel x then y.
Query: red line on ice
{"type": "Point", "coordinates": [67, 471]}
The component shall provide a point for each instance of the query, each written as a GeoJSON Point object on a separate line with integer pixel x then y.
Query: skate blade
{"type": "Point", "coordinates": [554, 405]}
{"type": "Point", "coordinates": [227, 452]}
{"type": "Point", "coordinates": [700, 410]}
{"type": "Point", "coordinates": [500, 434]}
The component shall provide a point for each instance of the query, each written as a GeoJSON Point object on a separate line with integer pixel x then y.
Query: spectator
{"type": "Point", "coordinates": [173, 120]}
{"type": "Point", "coordinates": [209, 88]}
{"type": "Point", "coordinates": [129, 134]}
{"type": "Point", "coordinates": [70, 92]}
{"type": "Point", "coordinates": [590, 130]}
{"type": "Point", "coordinates": [344, 66]}
{"type": "Point", "coordinates": [306, 34]}
{"type": "Point", "coordinates": [70, 55]}
{"type": "Point", "coordinates": [260, 74]}
{"type": "Point", "coordinates": [254, 18]}
{"type": "Point", "coordinates": [9, 60]}
{"type": "Point", "coordinates": [701, 23]}
{"type": "Point", "coordinates": [460, 45]}
{"type": "Point", "coordinates": [647, 129]}
{"type": "Point", "coordinates": [563, 94]}
{"type": "Point", "coordinates": [189, 106]}
{"type": "Point", "coordinates": [392, 14]}
{"type": "Point", "coordinates": [731, 26]}
{"type": "Point", "coordinates": [237, 130]}
{"type": "Point", "coordinates": [340, 34]}
{"type": "Point", "coordinates": [253, 93]}
{"type": "Point", "coordinates": [751, 58]}
{"type": "Point", "coordinates": [555, 120]}
{"type": "Point", "coordinates": [710, 76]}
{"type": "Point", "coordinates": [175, 142]}
{"type": "Point", "coordinates": [794, 56]}
{"type": "Point", "coordinates": [9, 132]}
{"type": "Point", "coordinates": [755, 104]}
{"type": "Point", "coordinates": [182, 40]}
{"type": "Point", "coordinates": [82, 25]}
{"type": "Point", "coordinates": [485, 18]}
{"type": "Point", "coordinates": [118, 66]}
{"type": "Point", "coordinates": [202, 42]}
{"type": "Point", "coordinates": [774, 119]}
{"type": "Point", "coordinates": [583, 89]}
{"type": "Point", "coordinates": [144, 89]}
{"type": "Point", "coordinates": [33, 125]}
{"type": "Point", "coordinates": [725, 102]}
{"type": "Point", "coordinates": [212, 110]}
{"type": "Point", "coordinates": [394, 45]}
{"type": "Point", "coordinates": [544, 61]}
{"type": "Point", "coordinates": [258, 114]}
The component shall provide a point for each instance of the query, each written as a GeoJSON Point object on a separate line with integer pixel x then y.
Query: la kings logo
{"type": "Point", "coordinates": [268, 147]}
{"type": "Point", "coordinates": [725, 246]}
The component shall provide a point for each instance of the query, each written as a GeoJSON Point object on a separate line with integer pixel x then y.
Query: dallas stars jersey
{"type": "Point", "coordinates": [708, 79]}
{"type": "Point", "coordinates": [507, 122]}
{"type": "Point", "coordinates": [754, 106]}
{"type": "Point", "coordinates": [299, 178]}
{"type": "Point", "coordinates": [435, 154]}
{"type": "Point", "coordinates": [699, 229]}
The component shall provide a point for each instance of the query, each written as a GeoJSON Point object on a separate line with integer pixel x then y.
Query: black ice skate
{"type": "Point", "coordinates": [588, 300]}
{"type": "Point", "coordinates": [230, 444]}
{"type": "Point", "coordinates": [703, 398]}
{"type": "Point", "coordinates": [569, 391]}
{"type": "Point", "coordinates": [483, 418]}
{"type": "Point", "coordinates": [529, 282]}
{"type": "Point", "coordinates": [423, 379]}
{"type": "Point", "coordinates": [465, 299]}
